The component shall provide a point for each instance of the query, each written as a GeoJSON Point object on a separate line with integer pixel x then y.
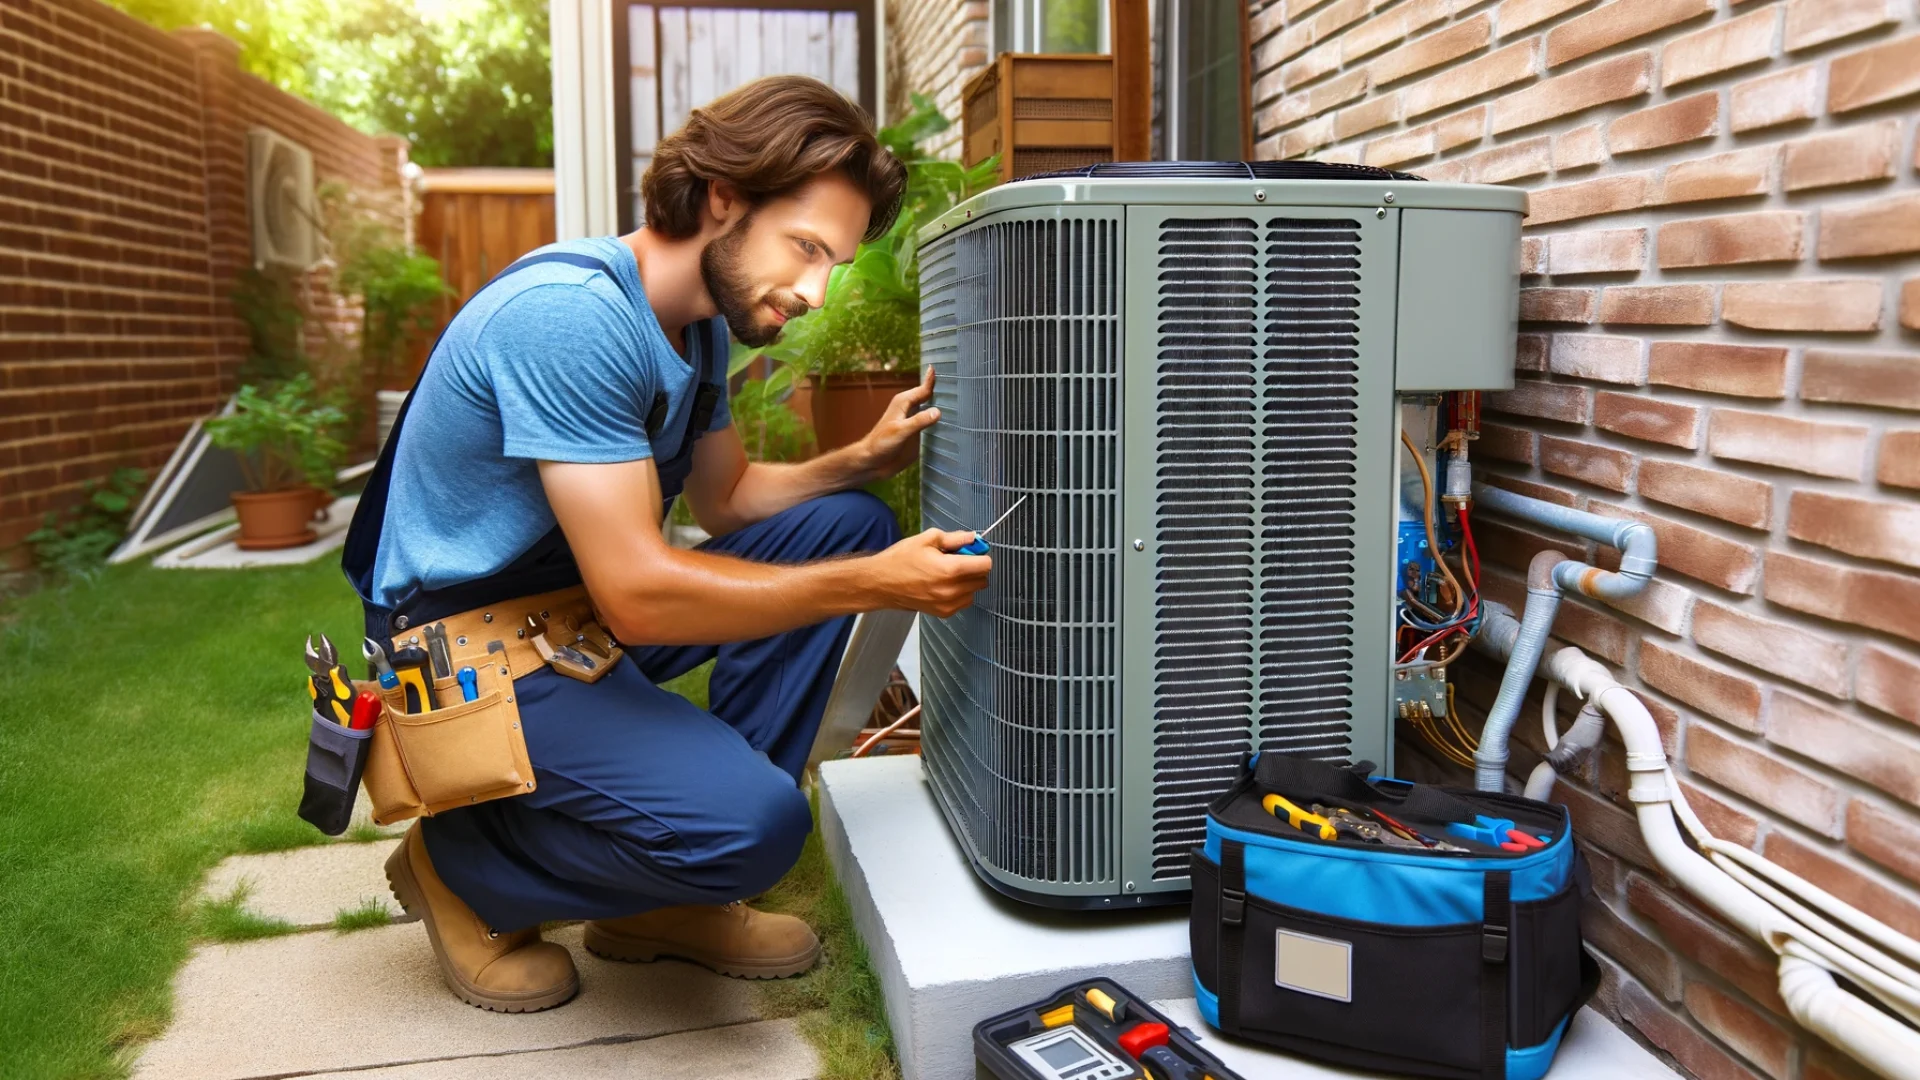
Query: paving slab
{"type": "Point", "coordinates": [1593, 1050]}
{"type": "Point", "coordinates": [363, 815]}
{"type": "Point", "coordinates": [307, 886]}
{"type": "Point", "coordinates": [765, 1050]}
{"type": "Point", "coordinates": [950, 951]}
{"type": "Point", "coordinates": [315, 1002]}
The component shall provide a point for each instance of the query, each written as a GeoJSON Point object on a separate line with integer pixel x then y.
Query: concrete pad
{"type": "Point", "coordinates": [217, 551]}
{"type": "Point", "coordinates": [1593, 1050]}
{"type": "Point", "coordinates": [949, 950]}
{"type": "Point", "coordinates": [316, 1002]}
{"type": "Point", "coordinates": [767, 1050]}
{"type": "Point", "coordinates": [307, 886]}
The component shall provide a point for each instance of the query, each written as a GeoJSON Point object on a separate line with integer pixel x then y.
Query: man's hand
{"type": "Point", "coordinates": [922, 574]}
{"type": "Point", "coordinates": [889, 447]}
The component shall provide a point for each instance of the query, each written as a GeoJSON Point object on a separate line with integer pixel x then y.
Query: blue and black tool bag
{"type": "Point", "coordinates": [1410, 958]}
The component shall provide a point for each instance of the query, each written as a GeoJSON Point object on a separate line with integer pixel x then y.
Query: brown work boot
{"type": "Point", "coordinates": [733, 939]}
{"type": "Point", "coordinates": [514, 972]}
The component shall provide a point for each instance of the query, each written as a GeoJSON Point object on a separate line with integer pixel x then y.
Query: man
{"type": "Point", "coordinates": [562, 408]}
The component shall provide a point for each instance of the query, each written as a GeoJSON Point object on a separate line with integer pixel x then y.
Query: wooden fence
{"type": "Point", "coordinates": [476, 221]}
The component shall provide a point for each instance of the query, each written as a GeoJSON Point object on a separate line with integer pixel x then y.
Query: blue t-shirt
{"type": "Point", "coordinates": [555, 362]}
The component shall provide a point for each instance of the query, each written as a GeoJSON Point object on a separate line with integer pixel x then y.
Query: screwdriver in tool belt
{"type": "Point", "coordinates": [978, 545]}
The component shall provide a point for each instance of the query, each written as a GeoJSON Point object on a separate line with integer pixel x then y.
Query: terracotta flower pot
{"type": "Point", "coordinates": [274, 519]}
{"type": "Point", "coordinates": [322, 499]}
{"type": "Point", "coordinates": [845, 407]}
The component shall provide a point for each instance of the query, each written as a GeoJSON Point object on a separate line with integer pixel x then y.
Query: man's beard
{"type": "Point", "coordinates": [722, 267]}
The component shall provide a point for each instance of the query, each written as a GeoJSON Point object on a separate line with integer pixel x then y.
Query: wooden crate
{"type": "Point", "coordinates": [1039, 113]}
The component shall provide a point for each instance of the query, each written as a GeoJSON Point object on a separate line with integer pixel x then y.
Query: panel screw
{"type": "Point", "coordinates": [1380, 212]}
{"type": "Point", "coordinates": [1139, 545]}
{"type": "Point", "coordinates": [1129, 886]}
{"type": "Point", "coordinates": [1387, 198]}
{"type": "Point", "coordinates": [1260, 195]}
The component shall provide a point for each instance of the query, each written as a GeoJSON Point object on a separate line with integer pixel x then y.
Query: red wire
{"type": "Point", "coordinates": [1473, 553]}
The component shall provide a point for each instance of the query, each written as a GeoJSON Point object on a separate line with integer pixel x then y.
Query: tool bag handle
{"type": "Point", "coordinates": [1305, 780]}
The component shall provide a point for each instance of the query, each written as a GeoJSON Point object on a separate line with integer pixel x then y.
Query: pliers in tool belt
{"type": "Point", "coordinates": [329, 687]}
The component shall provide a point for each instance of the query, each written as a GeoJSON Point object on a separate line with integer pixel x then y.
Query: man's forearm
{"type": "Point", "coordinates": [699, 598]}
{"type": "Point", "coordinates": [766, 488]}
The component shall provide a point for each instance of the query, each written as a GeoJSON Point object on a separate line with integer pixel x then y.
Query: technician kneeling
{"type": "Point", "coordinates": [563, 407]}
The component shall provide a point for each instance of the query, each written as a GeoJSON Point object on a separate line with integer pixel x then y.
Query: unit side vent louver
{"type": "Point", "coordinates": [1257, 411]}
{"type": "Point", "coordinates": [1021, 321]}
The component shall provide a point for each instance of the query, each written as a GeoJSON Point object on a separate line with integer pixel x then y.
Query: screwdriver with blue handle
{"type": "Point", "coordinates": [978, 545]}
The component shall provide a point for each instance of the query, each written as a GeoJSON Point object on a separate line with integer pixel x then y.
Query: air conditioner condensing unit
{"type": "Point", "coordinates": [280, 202]}
{"type": "Point", "coordinates": [1194, 372]}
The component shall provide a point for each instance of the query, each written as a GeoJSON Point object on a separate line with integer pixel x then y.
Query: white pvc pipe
{"type": "Point", "coordinates": [1753, 899]}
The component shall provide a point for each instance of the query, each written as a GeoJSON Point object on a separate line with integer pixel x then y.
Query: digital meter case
{"type": "Point", "coordinates": [1092, 1030]}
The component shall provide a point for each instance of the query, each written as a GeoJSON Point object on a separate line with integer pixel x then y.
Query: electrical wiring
{"type": "Point", "coordinates": [1433, 539]}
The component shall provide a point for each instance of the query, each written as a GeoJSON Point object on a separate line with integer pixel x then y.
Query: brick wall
{"type": "Point", "coordinates": [933, 48]}
{"type": "Point", "coordinates": [1723, 262]}
{"type": "Point", "coordinates": [123, 225]}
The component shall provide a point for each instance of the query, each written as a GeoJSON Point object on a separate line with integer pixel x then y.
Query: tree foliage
{"type": "Point", "coordinates": [468, 82]}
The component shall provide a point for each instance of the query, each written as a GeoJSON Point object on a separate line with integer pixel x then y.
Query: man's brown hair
{"type": "Point", "coordinates": [769, 138]}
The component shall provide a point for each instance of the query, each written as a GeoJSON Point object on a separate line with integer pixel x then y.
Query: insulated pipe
{"type": "Point", "coordinates": [1639, 550]}
{"type": "Point", "coordinates": [1548, 574]}
{"type": "Point", "coordinates": [1543, 601]}
{"type": "Point", "coordinates": [1844, 1019]}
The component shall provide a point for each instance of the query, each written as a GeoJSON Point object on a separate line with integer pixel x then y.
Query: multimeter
{"type": "Point", "coordinates": [1091, 1030]}
{"type": "Point", "coordinates": [1067, 1054]}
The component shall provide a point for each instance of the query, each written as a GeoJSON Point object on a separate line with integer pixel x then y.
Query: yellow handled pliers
{"type": "Point", "coordinates": [1298, 818]}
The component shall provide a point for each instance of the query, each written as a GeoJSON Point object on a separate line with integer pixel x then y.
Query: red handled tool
{"type": "Point", "coordinates": [366, 710]}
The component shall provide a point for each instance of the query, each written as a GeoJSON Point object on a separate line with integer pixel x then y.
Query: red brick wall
{"type": "Point", "coordinates": [1720, 308]}
{"type": "Point", "coordinates": [123, 224]}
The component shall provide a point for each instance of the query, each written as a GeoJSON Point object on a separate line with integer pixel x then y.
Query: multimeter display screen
{"type": "Point", "coordinates": [1065, 1054]}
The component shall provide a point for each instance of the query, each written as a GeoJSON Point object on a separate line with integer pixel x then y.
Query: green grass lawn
{"type": "Point", "coordinates": [153, 722]}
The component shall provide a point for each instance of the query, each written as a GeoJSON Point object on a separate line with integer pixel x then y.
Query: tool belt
{"type": "Point", "coordinates": [460, 752]}
{"type": "Point", "coordinates": [1449, 947]}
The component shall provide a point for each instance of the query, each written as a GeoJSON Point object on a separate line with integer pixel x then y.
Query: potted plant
{"type": "Point", "coordinates": [862, 346]}
{"type": "Point", "coordinates": [284, 439]}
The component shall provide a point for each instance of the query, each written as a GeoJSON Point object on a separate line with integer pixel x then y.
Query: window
{"type": "Point", "coordinates": [1049, 26]}
{"type": "Point", "coordinates": [1202, 81]}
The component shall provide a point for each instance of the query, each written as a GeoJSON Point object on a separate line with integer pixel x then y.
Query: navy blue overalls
{"type": "Point", "coordinates": [643, 800]}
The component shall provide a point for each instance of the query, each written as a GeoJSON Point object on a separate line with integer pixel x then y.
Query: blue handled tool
{"type": "Point", "coordinates": [469, 684]}
{"type": "Point", "coordinates": [978, 545]}
{"type": "Point", "coordinates": [1496, 832]}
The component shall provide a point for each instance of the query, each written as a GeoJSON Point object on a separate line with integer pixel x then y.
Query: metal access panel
{"type": "Point", "coordinates": [1021, 322]}
{"type": "Point", "coordinates": [1258, 505]}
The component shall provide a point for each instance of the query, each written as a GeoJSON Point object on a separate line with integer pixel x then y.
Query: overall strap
{"type": "Point", "coordinates": [1233, 919]}
{"type": "Point", "coordinates": [1495, 931]}
{"type": "Point", "coordinates": [363, 534]}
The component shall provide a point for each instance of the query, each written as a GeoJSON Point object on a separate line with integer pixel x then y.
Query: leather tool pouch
{"type": "Point", "coordinates": [581, 638]}
{"type": "Point", "coordinates": [462, 753]}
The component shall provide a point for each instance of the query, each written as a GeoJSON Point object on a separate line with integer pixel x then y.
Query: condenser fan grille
{"type": "Point", "coordinates": [1021, 321]}
{"type": "Point", "coordinates": [1256, 409]}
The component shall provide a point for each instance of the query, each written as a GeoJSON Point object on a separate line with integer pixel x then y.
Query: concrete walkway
{"type": "Point", "coordinates": [371, 1003]}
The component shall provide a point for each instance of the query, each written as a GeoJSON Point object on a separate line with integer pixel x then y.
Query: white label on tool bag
{"type": "Point", "coordinates": [1319, 966]}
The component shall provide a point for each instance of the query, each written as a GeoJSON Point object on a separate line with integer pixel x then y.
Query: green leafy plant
{"type": "Point", "coordinates": [770, 430]}
{"type": "Point", "coordinates": [870, 321]}
{"type": "Point", "coordinates": [281, 435]}
{"type": "Point", "coordinates": [229, 919]}
{"type": "Point", "coordinates": [75, 542]}
{"type": "Point", "coordinates": [397, 287]}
